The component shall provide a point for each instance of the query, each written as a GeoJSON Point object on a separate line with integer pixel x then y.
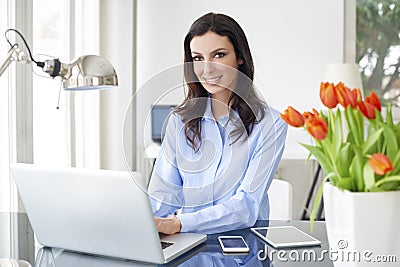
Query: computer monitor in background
{"type": "Point", "coordinates": [159, 119]}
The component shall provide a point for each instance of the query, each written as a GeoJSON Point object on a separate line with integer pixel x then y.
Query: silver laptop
{"type": "Point", "coordinates": [99, 212]}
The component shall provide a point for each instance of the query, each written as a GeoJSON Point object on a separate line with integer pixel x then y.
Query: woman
{"type": "Point", "coordinates": [222, 144]}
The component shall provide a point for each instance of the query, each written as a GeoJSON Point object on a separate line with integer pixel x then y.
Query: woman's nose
{"type": "Point", "coordinates": [208, 67]}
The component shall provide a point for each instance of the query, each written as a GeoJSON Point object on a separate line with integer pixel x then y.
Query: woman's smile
{"type": "Point", "coordinates": [213, 80]}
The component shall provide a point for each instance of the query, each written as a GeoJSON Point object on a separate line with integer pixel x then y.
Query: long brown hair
{"type": "Point", "coordinates": [243, 100]}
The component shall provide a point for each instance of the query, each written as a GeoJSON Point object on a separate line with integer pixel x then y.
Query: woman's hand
{"type": "Point", "coordinates": [169, 226]}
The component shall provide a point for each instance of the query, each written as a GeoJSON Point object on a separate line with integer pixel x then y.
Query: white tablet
{"type": "Point", "coordinates": [285, 236]}
{"type": "Point", "coordinates": [233, 244]}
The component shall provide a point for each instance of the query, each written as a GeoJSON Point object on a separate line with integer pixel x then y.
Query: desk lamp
{"type": "Point", "coordinates": [88, 72]}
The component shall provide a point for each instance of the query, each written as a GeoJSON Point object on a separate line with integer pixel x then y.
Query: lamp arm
{"type": "Point", "coordinates": [6, 62]}
{"type": "Point", "coordinates": [15, 54]}
{"type": "Point", "coordinates": [52, 67]}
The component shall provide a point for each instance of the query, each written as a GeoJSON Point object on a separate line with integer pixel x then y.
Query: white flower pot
{"type": "Point", "coordinates": [363, 228]}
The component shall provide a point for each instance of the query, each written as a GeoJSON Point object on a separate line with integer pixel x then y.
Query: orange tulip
{"type": "Point", "coordinates": [367, 109]}
{"type": "Point", "coordinates": [327, 94]}
{"type": "Point", "coordinates": [380, 164]}
{"type": "Point", "coordinates": [307, 115]}
{"type": "Point", "coordinates": [345, 96]}
{"type": "Point", "coordinates": [317, 127]}
{"type": "Point", "coordinates": [374, 100]}
{"type": "Point", "coordinates": [357, 93]}
{"type": "Point", "coordinates": [293, 117]}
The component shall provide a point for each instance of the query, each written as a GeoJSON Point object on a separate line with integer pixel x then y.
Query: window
{"type": "Point", "coordinates": [68, 136]}
{"type": "Point", "coordinates": [378, 47]}
{"type": "Point", "coordinates": [50, 39]}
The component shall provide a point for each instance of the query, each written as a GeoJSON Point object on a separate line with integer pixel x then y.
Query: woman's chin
{"type": "Point", "coordinates": [214, 88]}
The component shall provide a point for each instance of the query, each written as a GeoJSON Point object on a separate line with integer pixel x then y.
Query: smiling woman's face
{"type": "Point", "coordinates": [215, 63]}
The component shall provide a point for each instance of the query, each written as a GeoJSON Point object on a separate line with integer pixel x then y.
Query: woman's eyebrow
{"type": "Point", "coordinates": [218, 49]}
{"type": "Point", "coordinates": [212, 52]}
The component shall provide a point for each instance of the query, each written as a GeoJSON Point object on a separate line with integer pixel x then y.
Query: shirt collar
{"type": "Point", "coordinates": [208, 115]}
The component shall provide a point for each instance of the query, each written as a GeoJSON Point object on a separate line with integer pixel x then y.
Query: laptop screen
{"type": "Point", "coordinates": [159, 118]}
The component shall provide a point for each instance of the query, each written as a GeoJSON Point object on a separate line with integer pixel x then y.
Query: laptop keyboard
{"type": "Point", "coordinates": [165, 244]}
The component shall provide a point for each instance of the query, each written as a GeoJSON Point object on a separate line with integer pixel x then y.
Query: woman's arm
{"type": "Point", "coordinates": [165, 187]}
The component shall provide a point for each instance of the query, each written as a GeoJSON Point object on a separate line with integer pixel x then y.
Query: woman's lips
{"type": "Point", "coordinates": [213, 80]}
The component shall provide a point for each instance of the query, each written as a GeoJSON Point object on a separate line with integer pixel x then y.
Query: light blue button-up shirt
{"type": "Point", "coordinates": [223, 185]}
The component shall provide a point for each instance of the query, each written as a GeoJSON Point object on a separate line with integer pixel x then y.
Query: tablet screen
{"type": "Point", "coordinates": [233, 242]}
{"type": "Point", "coordinates": [285, 236]}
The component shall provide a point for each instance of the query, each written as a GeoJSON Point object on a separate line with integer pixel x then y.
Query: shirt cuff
{"type": "Point", "coordinates": [188, 222]}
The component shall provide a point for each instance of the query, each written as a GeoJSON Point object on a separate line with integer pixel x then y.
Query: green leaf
{"type": "Point", "coordinates": [317, 202]}
{"type": "Point", "coordinates": [352, 125]}
{"type": "Point", "coordinates": [346, 183]}
{"type": "Point", "coordinates": [396, 130]}
{"type": "Point", "coordinates": [343, 160]}
{"type": "Point", "coordinates": [389, 186]}
{"type": "Point", "coordinates": [350, 138]}
{"type": "Point", "coordinates": [359, 118]}
{"type": "Point", "coordinates": [396, 163]}
{"type": "Point", "coordinates": [376, 189]}
{"type": "Point", "coordinates": [389, 116]}
{"type": "Point", "coordinates": [356, 171]}
{"type": "Point", "coordinates": [388, 179]}
{"type": "Point", "coordinates": [378, 116]}
{"type": "Point", "coordinates": [333, 178]}
{"type": "Point", "coordinates": [371, 140]}
{"type": "Point", "coordinates": [391, 142]}
{"type": "Point", "coordinates": [319, 154]}
{"type": "Point", "coordinates": [337, 132]}
{"type": "Point", "coordinates": [329, 149]}
{"type": "Point", "coordinates": [369, 177]}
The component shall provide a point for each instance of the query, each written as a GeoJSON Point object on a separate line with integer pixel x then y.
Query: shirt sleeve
{"type": "Point", "coordinates": [243, 208]}
{"type": "Point", "coordinates": [165, 187]}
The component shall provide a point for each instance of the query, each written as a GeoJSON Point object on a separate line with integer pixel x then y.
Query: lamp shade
{"type": "Point", "coordinates": [90, 72]}
{"type": "Point", "coordinates": [347, 73]}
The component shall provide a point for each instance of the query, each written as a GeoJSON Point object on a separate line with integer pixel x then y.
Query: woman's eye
{"type": "Point", "coordinates": [219, 55]}
{"type": "Point", "coordinates": [197, 58]}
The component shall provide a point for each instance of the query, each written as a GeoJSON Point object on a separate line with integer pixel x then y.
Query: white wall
{"type": "Point", "coordinates": [291, 41]}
